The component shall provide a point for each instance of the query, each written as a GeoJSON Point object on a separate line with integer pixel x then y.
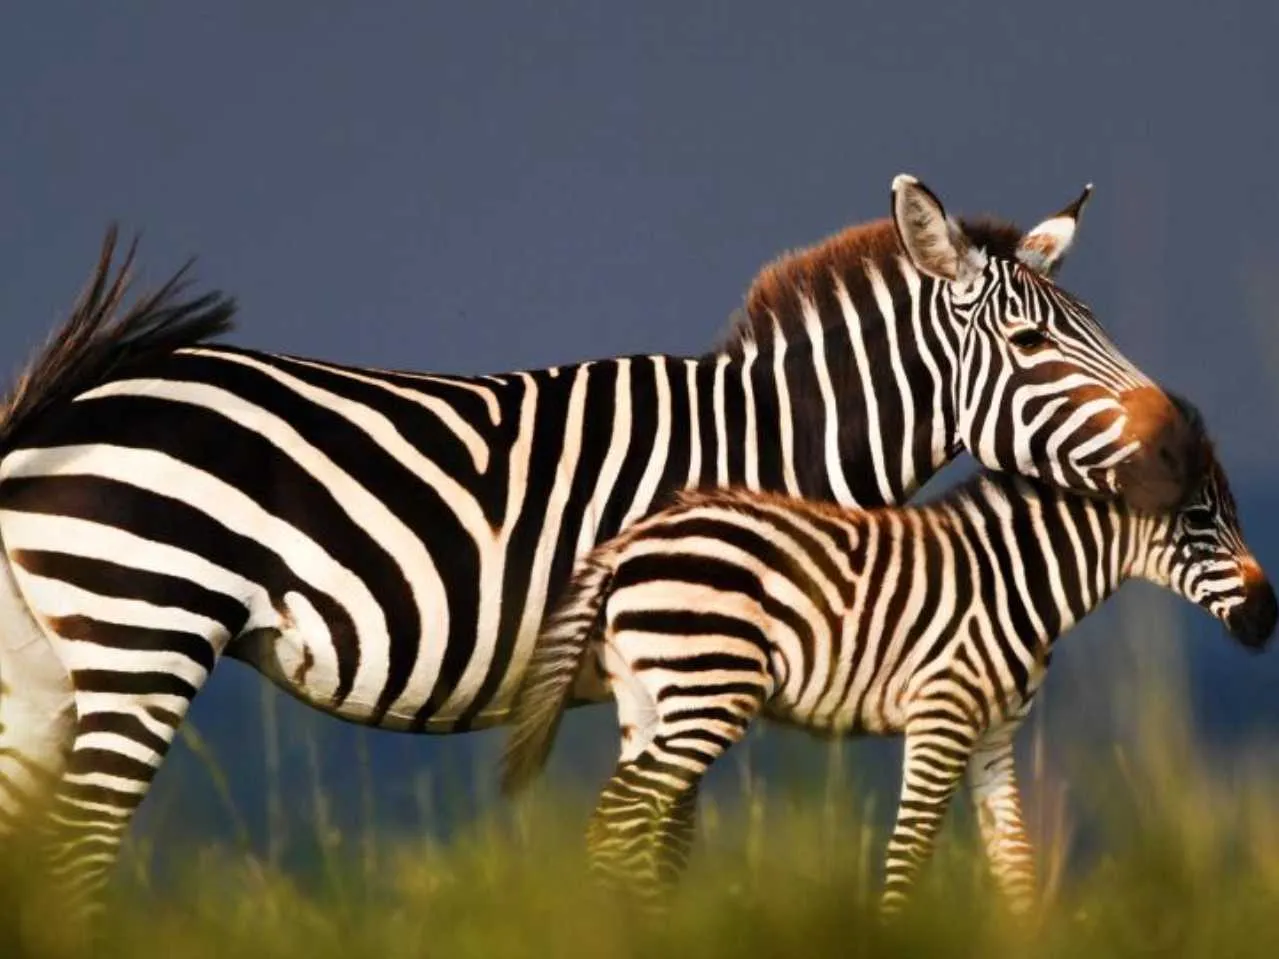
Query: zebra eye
{"type": "Point", "coordinates": [1028, 338]}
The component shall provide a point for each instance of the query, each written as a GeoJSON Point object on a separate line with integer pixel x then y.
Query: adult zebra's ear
{"type": "Point", "coordinates": [935, 243]}
{"type": "Point", "coordinates": [1045, 247]}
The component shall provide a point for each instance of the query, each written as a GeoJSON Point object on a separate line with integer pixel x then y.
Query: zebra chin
{"type": "Point", "coordinates": [1252, 622]}
{"type": "Point", "coordinates": [1172, 456]}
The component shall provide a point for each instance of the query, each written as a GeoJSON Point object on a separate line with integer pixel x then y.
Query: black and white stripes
{"type": "Point", "coordinates": [383, 545]}
{"type": "Point", "coordinates": [934, 622]}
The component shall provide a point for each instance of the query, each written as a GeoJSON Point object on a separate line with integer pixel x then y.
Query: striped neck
{"type": "Point", "coordinates": [845, 406]}
{"type": "Point", "coordinates": [1068, 553]}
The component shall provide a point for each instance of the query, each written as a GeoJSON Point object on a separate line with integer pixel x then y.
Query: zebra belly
{"type": "Point", "coordinates": [285, 657]}
{"type": "Point", "coordinates": [296, 652]}
{"type": "Point", "coordinates": [839, 723]}
{"type": "Point", "coordinates": [291, 653]}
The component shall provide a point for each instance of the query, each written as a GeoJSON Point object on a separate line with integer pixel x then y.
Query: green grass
{"type": "Point", "coordinates": [1186, 863]}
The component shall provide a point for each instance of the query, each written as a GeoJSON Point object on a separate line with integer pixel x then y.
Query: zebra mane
{"type": "Point", "coordinates": [98, 339]}
{"type": "Point", "coordinates": [1209, 464]}
{"type": "Point", "coordinates": [779, 286]}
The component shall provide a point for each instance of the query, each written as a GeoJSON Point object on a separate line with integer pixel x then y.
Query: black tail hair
{"type": "Point", "coordinates": [99, 339]}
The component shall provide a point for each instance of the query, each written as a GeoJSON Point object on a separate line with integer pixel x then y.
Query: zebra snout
{"type": "Point", "coordinates": [1172, 458]}
{"type": "Point", "coordinates": [1252, 622]}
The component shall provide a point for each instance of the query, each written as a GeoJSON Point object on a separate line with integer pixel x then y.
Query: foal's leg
{"type": "Point", "coordinates": [640, 834]}
{"type": "Point", "coordinates": [937, 749]}
{"type": "Point", "coordinates": [993, 784]}
{"type": "Point", "coordinates": [642, 828]}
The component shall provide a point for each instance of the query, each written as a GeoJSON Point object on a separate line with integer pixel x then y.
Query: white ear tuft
{"type": "Point", "coordinates": [902, 181]}
{"type": "Point", "coordinates": [1045, 247]}
{"type": "Point", "coordinates": [934, 243]}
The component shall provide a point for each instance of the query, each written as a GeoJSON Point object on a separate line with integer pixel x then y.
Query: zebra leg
{"type": "Point", "coordinates": [640, 835]}
{"type": "Point", "coordinates": [993, 785]}
{"type": "Point", "coordinates": [931, 772]}
{"type": "Point", "coordinates": [37, 710]}
{"type": "Point", "coordinates": [126, 719]}
{"type": "Point", "coordinates": [675, 838]}
{"type": "Point", "coordinates": [641, 843]}
{"type": "Point", "coordinates": [37, 721]}
{"type": "Point", "coordinates": [642, 830]}
{"type": "Point", "coordinates": [132, 659]}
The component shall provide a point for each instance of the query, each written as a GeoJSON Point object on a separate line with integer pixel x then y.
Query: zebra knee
{"type": "Point", "coordinates": [621, 818]}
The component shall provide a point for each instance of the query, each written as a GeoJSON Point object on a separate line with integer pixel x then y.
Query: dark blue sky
{"type": "Point", "coordinates": [480, 187]}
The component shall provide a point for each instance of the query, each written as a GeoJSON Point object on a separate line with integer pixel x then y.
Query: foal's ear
{"type": "Point", "coordinates": [935, 243]}
{"type": "Point", "coordinates": [1045, 247]}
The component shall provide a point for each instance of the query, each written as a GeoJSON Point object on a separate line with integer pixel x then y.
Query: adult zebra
{"type": "Point", "coordinates": [934, 622]}
{"type": "Point", "coordinates": [383, 544]}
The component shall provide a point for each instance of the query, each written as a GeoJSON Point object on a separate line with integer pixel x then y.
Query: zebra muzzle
{"type": "Point", "coordinates": [1252, 622]}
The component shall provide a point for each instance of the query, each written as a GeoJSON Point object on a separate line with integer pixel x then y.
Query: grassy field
{"type": "Point", "coordinates": [1182, 858]}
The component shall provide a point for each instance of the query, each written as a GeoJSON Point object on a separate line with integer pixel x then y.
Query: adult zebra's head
{"type": "Point", "coordinates": [1198, 552]}
{"type": "Point", "coordinates": [1041, 390]}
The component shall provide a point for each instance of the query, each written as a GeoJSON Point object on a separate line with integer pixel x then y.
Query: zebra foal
{"type": "Point", "coordinates": [936, 622]}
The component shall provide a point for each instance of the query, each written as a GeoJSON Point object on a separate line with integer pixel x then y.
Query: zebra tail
{"type": "Point", "coordinates": [99, 338]}
{"type": "Point", "coordinates": [547, 684]}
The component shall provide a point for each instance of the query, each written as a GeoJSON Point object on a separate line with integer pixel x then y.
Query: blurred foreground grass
{"type": "Point", "coordinates": [1185, 862]}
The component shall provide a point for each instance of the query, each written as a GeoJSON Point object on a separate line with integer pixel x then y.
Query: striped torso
{"type": "Point", "coordinates": [863, 616]}
{"type": "Point", "coordinates": [381, 545]}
